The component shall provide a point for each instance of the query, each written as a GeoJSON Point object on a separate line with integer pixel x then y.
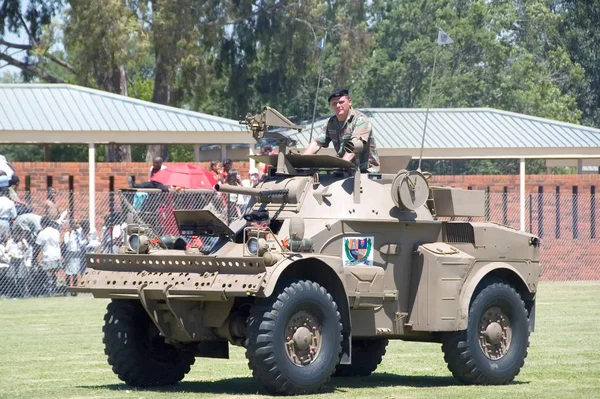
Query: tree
{"type": "Point", "coordinates": [579, 30]}
{"type": "Point", "coordinates": [104, 37]}
{"type": "Point", "coordinates": [268, 55]}
{"type": "Point", "coordinates": [505, 55]}
{"type": "Point", "coordinates": [38, 55]}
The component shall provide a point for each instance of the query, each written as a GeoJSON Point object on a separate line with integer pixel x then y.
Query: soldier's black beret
{"type": "Point", "coordinates": [257, 216]}
{"type": "Point", "coordinates": [339, 92]}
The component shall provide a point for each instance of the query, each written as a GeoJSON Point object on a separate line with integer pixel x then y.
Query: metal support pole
{"type": "Point", "coordinates": [92, 186]}
{"type": "Point", "coordinates": [522, 193]}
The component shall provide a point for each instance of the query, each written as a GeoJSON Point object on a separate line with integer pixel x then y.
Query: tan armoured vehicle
{"type": "Point", "coordinates": [332, 264]}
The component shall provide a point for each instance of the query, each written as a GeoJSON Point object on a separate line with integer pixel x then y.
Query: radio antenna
{"type": "Point", "coordinates": [321, 47]}
{"type": "Point", "coordinates": [442, 40]}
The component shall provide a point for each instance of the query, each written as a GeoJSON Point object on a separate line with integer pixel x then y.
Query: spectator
{"type": "Point", "coordinates": [91, 246]}
{"type": "Point", "coordinates": [113, 234]}
{"type": "Point", "coordinates": [5, 168]}
{"type": "Point", "coordinates": [231, 177]}
{"type": "Point", "coordinates": [13, 186]}
{"type": "Point", "coordinates": [74, 242]}
{"type": "Point", "coordinates": [214, 169]}
{"type": "Point", "coordinates": [263, 168]}
{"type": "Point", "coordinates": [51, 209]}
{"type": "Point", "coordinates": [20, 253]}
{"type": "Point", "coordinates": [243, 200]}
{"type": "Point", "coordinates": [228, 175]}
{"type": "Point", "coordinates": [49, 241]}
{"type": "Point", "coordinates": [4, 258]}
{"type": "Point", "coordinates": [4, 180]}
{"type": "Point", "coordinates": [157, 166]}
{"type": "Point", "coordinates": [8, 211]}
{"type": "Point", "coordinates": [254, 177]}
{"type": "Point", "coordinates": [30, 223]}
{"type": "Point", "coordinates": [91, 237]}
{"type": "Point", "coordinates": [5, 285]}
{"type": "Point", "coordinates": [22, 207]}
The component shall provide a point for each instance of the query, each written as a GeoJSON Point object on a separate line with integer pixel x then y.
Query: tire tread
{"type": "Point", "coordinates": [128, 362]}
{"type": "Point", "coordinates": [458, 355]}
{"type": "Point", "coordinates": [261, 324]}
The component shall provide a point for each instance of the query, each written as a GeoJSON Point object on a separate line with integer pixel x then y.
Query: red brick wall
{"type": "Point", "coordinates": [60, 172]}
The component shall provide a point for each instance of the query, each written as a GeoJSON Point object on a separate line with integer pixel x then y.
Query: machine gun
{"type": "Point", "coordinates": [259, 126]}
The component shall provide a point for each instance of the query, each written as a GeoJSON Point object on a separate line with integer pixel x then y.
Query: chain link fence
{"type": "Point", "coordinates": [42, 250]}
{"type": "Point", "coordinates": [42, 256]}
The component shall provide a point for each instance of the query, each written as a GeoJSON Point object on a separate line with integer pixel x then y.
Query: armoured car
{"type": "Point", "coordinates": [327, 266]}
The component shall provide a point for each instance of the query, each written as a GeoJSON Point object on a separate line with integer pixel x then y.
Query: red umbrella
{"type": "Point", "coordinates": [185, 175]}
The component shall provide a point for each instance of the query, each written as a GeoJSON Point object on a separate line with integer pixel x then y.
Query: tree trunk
{"type": "Point", "coordinates": [118, 152]}
{"type": "Point", "coordinates": [161, 95]}
{"type": "Point", "coordinates": [47, 153]}
{"type": "Point", "coordinates": [162, 79]}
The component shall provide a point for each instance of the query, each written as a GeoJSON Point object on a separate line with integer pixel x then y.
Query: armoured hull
{"type": "Point", "coordinates": [328, 265]}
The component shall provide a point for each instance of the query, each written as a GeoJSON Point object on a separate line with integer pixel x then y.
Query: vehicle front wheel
{"type": "Point", "coordinates": [493, 348]}
{"type": "Point", "coordinates": [294, 340]}
{"type": "Point", "coordinates": [137, 352]}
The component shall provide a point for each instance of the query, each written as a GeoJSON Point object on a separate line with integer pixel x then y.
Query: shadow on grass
{"type": "Point", "coordinates": [248, 386]}
{"type": "Point", "coordinates": [240, 386]}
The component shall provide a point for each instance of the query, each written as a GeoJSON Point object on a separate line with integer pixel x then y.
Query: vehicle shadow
{"type": "Point", "coordinates": [248, 386]}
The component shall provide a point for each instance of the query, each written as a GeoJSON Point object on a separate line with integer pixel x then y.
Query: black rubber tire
{"type": "Point", "coordinates": [366, 356]}
{"type": "Point", "coordinates": [137, 354]}
{"type": "Point", "coordinates": [462, 351]}
{"type": "Point", "coordinates": [265, 340]}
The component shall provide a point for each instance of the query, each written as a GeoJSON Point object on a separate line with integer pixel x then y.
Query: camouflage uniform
{"type": "Point", "coordinates": [356, 125]}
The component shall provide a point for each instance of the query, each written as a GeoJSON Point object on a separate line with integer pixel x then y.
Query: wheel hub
{"type": "Point", "coordinates": [495, 333]}
{"type": "Point", "coordinates": [303, 338]}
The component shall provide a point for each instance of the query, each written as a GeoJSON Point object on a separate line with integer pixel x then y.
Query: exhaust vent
{"type": "Point", "coordinates": [459, 233]}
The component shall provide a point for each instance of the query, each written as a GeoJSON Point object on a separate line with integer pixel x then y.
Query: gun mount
{"type": "Point", "coordinates": [259, 125]}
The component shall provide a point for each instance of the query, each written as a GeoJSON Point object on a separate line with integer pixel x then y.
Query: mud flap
{"type": "Point", "coordinates": [346, 357]}
{"type": "Point", "coordinates": [532, 318]}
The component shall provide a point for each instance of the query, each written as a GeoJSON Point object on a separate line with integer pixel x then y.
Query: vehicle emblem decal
{"type": "Point", "coordinates": [357, 251]}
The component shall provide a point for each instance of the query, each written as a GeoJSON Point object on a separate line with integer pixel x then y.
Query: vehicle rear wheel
{"type": "Point", "coordinates": [137, 352]}
{"type": "Point", "coordinates": [493, 348]}
{"type": "Point", "coordinates": [366, 356]}
{"type": "Point", "coordinates": [293, 340]}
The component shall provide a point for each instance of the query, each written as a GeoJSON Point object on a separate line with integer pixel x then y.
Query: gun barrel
{"type": "Point", "coordinates": [277, 196]}
{"type": "Point", "coordinates": [226, 188]}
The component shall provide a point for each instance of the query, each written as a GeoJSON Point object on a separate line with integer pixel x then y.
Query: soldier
{"type": "Point", "coordinates": [258, 219]}
{"type": "Point", "coordinates": [345, 124]}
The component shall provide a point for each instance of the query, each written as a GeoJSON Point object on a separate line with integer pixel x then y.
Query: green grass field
{"type": "Point", "coordinates": [52, 348]}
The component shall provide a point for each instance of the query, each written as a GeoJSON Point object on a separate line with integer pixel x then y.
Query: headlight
{"type": "Point", "coordinates": [138, 243]}
{"type": "Point", "coordinates": [257, 246]}
{"type": "Point", "coordinates": [252, 245]}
